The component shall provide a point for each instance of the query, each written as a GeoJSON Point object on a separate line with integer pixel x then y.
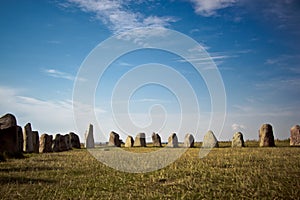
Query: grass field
{"type": "Point", "coordinates": [226, 173]}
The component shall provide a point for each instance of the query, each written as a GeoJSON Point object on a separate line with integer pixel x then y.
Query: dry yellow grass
{"type": "Point", "coordinates": [226, 173]}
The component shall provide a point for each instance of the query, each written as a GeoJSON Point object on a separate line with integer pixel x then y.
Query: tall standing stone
{"type": "Point", "coordinates": [129, 141]}
{"type": "Point", "coordinates": [9, 140]}
{"type": "Point", "coordinates": [68, 142]}
{"type": "Point", "coordinates": [156, 140]}
{"type": "Point", "coordinates": [173, 141]}
{"type": "Point", "coordinates": [7, 121]}
{"type": "Point", "coordinates": [74, 139]}
{"type": "Point", "coordinates": [11, 136]}
{"type": "Point", "coordinates": [114, 139]}
{"type": "Point", "coordinates": [89, 137]}
{"type": "Point", "coordinates": [45, 143]}
{"type": "Point", "coordinates": [189, 141]}
{"type": "Point", "coordinates": [28, 139]}
{"type": "Point", "coordinates": [210, 140]}
{"type": "Point", "coordinates": [295, 136]}
{"type": "Point", "coordinates": [35, 141]}
{"type": "Point", "coordinates": [64, 142]}
{"type": "Point", "coordinates": [56, 143]}
{"type": "Point", "coordinates": [20, 139]}
{"type": "Point", "coordinates": [238, 140]}
{"type": "Point", "coordinates": [266, 137]}
{"type": "Point", "coordinates": [140, 140]}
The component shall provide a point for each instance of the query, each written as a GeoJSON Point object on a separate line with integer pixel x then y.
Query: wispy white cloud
{"type": "Point", "coordinates": [125, 64]}
{"type": "Point", "coordinates": [150, 100]}
{"type": "Point", "coordinates": [59, 74]}
{"type": "Point", "coordinates": [286, 62]}
{"type": "Point", "coordinates": [238, 127]}
{"type": "Point", "coordinates": [116, 15]}
{"type": "Point", "coordinates": [243, 108]}
{"type": "Point", "coordinates": [209, 8]}
{"type": "Point", "coordinates": [63, 75]}
{"type": "Point", "coordinates": [220, 57]}
{"type": "Point", "coordinates": [217, 58]}
{"type": "Point", "coordinates": [282, 85]}
{"type": "Point", "coordinates": [46, 116]}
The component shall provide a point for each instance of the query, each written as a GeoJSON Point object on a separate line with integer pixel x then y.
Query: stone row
{"type": "Point", "coordinates": [266, 139]}
{"type": "Point", "coordinates": [14, 140]}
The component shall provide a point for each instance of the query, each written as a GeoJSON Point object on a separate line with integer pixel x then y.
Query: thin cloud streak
{"type": "Point", "coordinates": [46, 116]}
{"type": "Point", "coordinates": [63, 75]}
{"type": "Point", "coordinates": [59, 74]}
{"type": "Point", "coordinates": [208, 8]}
{"type": "Point", "coordinates": [118, 18]}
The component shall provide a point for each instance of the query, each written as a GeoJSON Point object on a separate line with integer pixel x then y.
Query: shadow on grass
{"type": "Point", "coordinates": [23, 180]}
{"type": "Point", "coordinates": [26, 169]}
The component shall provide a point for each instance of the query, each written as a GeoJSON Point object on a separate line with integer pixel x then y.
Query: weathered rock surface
{"type": "Point", "coordinates": [35, 141]}
{"type": "Point", "coordinates": [210, 140]}
{"type": "Point", "coordinates": [173, 140]}
{"type": "Point", "coordinates": [55, 143]}
{"type": "Point", "coordinates": [64, 143]}
{"type": "Point", "coordinates": [189, 141]}
{"type": "Point", "coordinates": [28, 139]}
{"type": "Point", "coordinates": [114, 139]}
{"type": "Point", "coordinates": [129, 141]}
{"type": "Point", "coordinates": [238, 140]}
{"type": "Point", "coordinates": [68, 141]}
{"type": "Point", "coordinates": [89, 137]}
{"type": "Point", "coordinates": [156, 140]}
{"type": "Point", "coordinates": [7, 121]}
{"type": "Point", "coordinates": [266, 137]}
{"type": "Point", "coordinates": [46, 143]}
{"type": "Point", "coordinates": [295, 136]}
{"type": "Point", "coordinates": [61, 143]}
{"type": "Point", "coordinates": [9, 140]}
{"type": "Point", "coordinates": [11, 135]}
{"type": "Point", "coordinates": [20, 139]}
{"type": "Point", "coordinates": [140, 140]}
{"type": "Point", "coordinates": [74, 139]}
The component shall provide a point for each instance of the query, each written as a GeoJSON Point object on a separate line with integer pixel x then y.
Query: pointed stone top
{"type": "Point", "coordinates": [210, 140]}
{"type": "Point", "coordinates": [89, 137]}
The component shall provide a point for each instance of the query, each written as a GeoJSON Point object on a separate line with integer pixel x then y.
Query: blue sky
{"type": "Point", "coordinates": [254, 44]}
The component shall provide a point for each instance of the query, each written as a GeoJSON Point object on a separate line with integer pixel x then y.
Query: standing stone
{"type": "Point", "coordinates": [56, 143]}
{"type": "Point", "coordinates": [129, 141]}
{"type": "Point", "coordinates": [266, 137]}
{"type": "Point", "coordinates": [11, 136]}
{"type": "Point", "coordinates": [173, 140]}
{"type": "Point", "coordinates": [210, 140]}
{"type": "Point", "coordinates": [68, 142]}
{"type": "Point", "coordinates": [295, 136]}
{"type": "Point", "coordinates": [35, 141]}
{"type": "Point", "coordinates": [45, 143]}
{"type": "Point", "coordinates": [189, 141]}
{"type": "Point", "coordinates": [114, 139]}
{"type": "Point", "coordinates": [64, 143]}
{"type": "Point", "coordinates": [74, 139]}
{"type": "Point", "coordinates": [156, 140]}
{"type": "Point", "coordinates": [89, 138]}
{"type": "Point", "coordinates": [28, 139]}
{"type": "Point", "coordinates": [238, 140]}
{"type": "Point", "coordinates": [140, 140]}
{"type": "Point", "coordinates": [20, 139]}
{"type": "Point", "coordinates": [7, 121]}
{"type": "Point", "coordinates": [9, 140]}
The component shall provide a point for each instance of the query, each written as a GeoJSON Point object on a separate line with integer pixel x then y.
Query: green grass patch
{"type": "Point", "coordinates": [226, 173]}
